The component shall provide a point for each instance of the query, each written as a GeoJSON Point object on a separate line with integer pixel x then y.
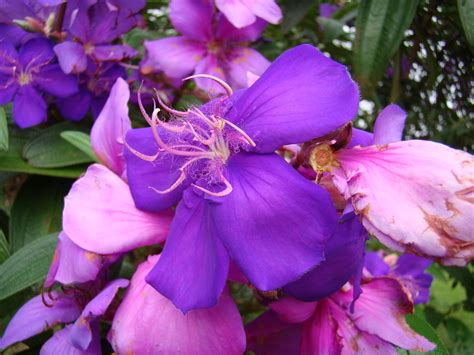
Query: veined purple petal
{"type": "Point", "coordinates": [302, 95]}
{"type": "Point", "coordinates": [6, 94]}
{"type": "Point", "coordinates": [113, 52]}
{"type": "Point", "coordinates": [176, 56]}
{"type": "Point", "coordinates": [29, 108]}
{"type": "Point", "coordinates": [360, 137]}
{"type": "Point", "coordinates": [374, 263]}
{"type": "Point", "coordinates": [71, 57]}
{"type": "Point", "coordinates": [192, 19]}
{"type": "Point", "coordinates": [143, 311]}
{"type": "Point", "coordinates": [389, 125]}
{"type": "Point", "coordinates": [8, 53]}
{"type": "Point", "coordinates": [113, 225]}
{"type": "Point", "coordinates": [143, 175]}
{"type": "Point", "coordinates": [34, 318]}
{"type": "Point", "coordinates": [288, 220]}
{"type": "Point", "coordinates": [80, 26]}
{"type": "Point", "coordinates": [81, 333]}
{"type": "Point", "coordinates": [52, 80]}
{"type": "Point", "coordinates": [110, 128]}
{"type": "Point", "coordinates": [344, 253]}
{"type": "Point", "coordinates": [246, 60]}
{"type": "Point", "coordinates": [36, 52]}
{"type": "Point", "coordinates": [60, 343]}
{"type": "Point", "coordinates": [193, 266]}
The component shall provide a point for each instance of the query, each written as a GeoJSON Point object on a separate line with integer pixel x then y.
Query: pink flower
{"type": "Point", "coordinates": [377, 324]}
{"type": "Point", "coordinates": [147, 322]}
{"type": "Point", "coordinates": [243, 13]}
{"type": "Point", "coordinates": [415, 196]}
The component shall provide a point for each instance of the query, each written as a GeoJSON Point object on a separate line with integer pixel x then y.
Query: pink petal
{"type": "Point", "coordinates": [385, 302]}
{"type": "Point", "coordinates": [110, 128]}
{"type": "Point", "coordinates": [100, 215]}
{"type": "Point", "coordinates": [292, 310]}
{"type": "Point", "coordinates": [236, 12]}
{"type": "Point", "coordinates": [415, 196]}
{"type": "Point", "coordinates": [389, 125]}
{"type": "Point", "coordinates": [192, 18]}
{"type": "Point", "coordinates": [246, 61]}
{"type": "Point", "coordinates": [320, 333]}
{"type": "Point", "coordinates": [146, 320]}
{"type": "Point", "coordinates": [176, 56]}
{"type": "Point", "coordinates": [210, 65]}
{"type": "Point", "coordinates": [266, 9]}
{"type": "Point", "coordinates": [355, 341]}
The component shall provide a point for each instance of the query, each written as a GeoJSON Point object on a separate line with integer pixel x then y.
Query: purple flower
{"type": "Point", "coordinates": [408, 269]}
{"type": "Point", "coordinates": [327, 10]}
{"type": "Point", "coordinates": [329, 326]}
{"type": "Point", "coordinates": [242, 13]}
{"type": "Point", "coordinates": [72, 305]}
{"type": "Point", "coordinates": [239, 200]}
{"type": "Point", "coordinates": [209, 45]}
{"type": "Point", "coordinates": [94, 88]}
{"type": "Point", "coordinates": [147, 321]}
{"type": "Point", "coordinates": [92, 31]}
{"type": "Point", "coordinates": [24, 75]}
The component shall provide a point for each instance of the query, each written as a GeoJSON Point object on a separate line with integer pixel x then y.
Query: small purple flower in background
{"type": "Point", "coordinates": [91, 32]}
{"type": "Point", "coordinates": [209, 45]}
{"type": "Point", "coordinates": [94, 88]}
{"type": "Point", "coordinates": [147, 320]}
{"type": "Point", "coordinates": [82, 305]}
{"type": "Point", "coordinates": [330, 326]}
{"type": "Point", "coordinates": [327, 10]}
{"type": "Point", "coordinates": [28, 73]}
{"type": "Point", "coordinates": [242, 13]}
{"type": "Point", "coordinates": [407, 268]}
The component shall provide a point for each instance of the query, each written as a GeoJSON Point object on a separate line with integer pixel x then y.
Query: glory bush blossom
{"type": "Point", "coordinates": [208, 44]}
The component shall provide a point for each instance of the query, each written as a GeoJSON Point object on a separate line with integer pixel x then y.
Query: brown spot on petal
{"type": "Point", "coordinates": [382, 147]}
{"type": "Point", "coordinates": [354, 342]}
{"type": "Point", "coordinates": [91, 256]}
{"type": "Point", "coordinates": [466, 194]}
{"type": "Point", "coordinates": [451, 208]}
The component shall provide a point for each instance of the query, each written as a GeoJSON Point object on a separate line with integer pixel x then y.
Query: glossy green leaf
{"type": "Point", "coordinates": [380, 28]}
{"type": "Point", "coordinates": [12, 160]}
{"type": "Point", "coordinates": [37, 210]}
{"type": "Point", "coordinates": [466, 13]}
{"type": "Point", "coordinates": [81, 141]}
{"type": "Point", "coordinates": [27, 266]}
{"type": "Point", "coordinates": [4, 250]}
{"type": "Point", "coordinates": [3, 130]}
{"type": "Point", "coordinates": [50, 150]}
{"type": "Point", "coordinates": [422, 327]}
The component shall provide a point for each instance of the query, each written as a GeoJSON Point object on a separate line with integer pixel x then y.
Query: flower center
{"type": "Point", "coordinates": [322, 158]}
{"type": "Point", "coordinates": [204, 142]}
{"type": "Point", "coordinates": [24, 78]}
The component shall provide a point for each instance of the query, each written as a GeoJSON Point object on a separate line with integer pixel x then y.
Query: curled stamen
{"type": "Point", "coordinates": [245, 135]}
{"type": "Point", "coordinates": [140, 105]}
{"type": "Point", "coordinates": [228, 189]}
{"type": "Point", "coordinates": [221, 82]}
{"type": "Point", "coordinates": [43, 299]}
{"type": "Point", "coordinates": [201, 139]}
{"type": "Point", "coordinates": [167, 108]}
{"type": "Point", "coordinates": [140, 155]}
{"type": "Point", "coordinates": [210, 123]}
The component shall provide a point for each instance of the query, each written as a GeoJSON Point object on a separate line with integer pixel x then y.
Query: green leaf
{"type": "Point", "coordinates": [37, 210]}
{"type": "Point", "coordinates": [3, 130]}
{"type": "Point", "coordinates": [27, 266]}
{"type": "Point", "coordinates": [4, 251]}
{"type": "Point", "coordinates": [422, 327]}
{"type": "Point", "coordinates": [380, 28]}
{"type": "Point", "coordinates": [12, 161]}
{"type": "Point", "coordinates": [81, 141]}
{"type": "Point", "coordinates": [466, 13]}
{"type": "Point", "coordinates": [49, 150]}
{"type": "Point", "coordinates": [332, 28]}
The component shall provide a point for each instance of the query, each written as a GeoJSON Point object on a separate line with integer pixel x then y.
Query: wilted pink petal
{"type": "Point", "coordinates": [146, 320]}
{"type": "Point", "coordinates": [111, 126]}
{"type": "Point", "coordinates": [381, 309]}
{"type": "Point", "coordinates": [100, 215]}
{"type": "Point", "coordinates": [415, 195]}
